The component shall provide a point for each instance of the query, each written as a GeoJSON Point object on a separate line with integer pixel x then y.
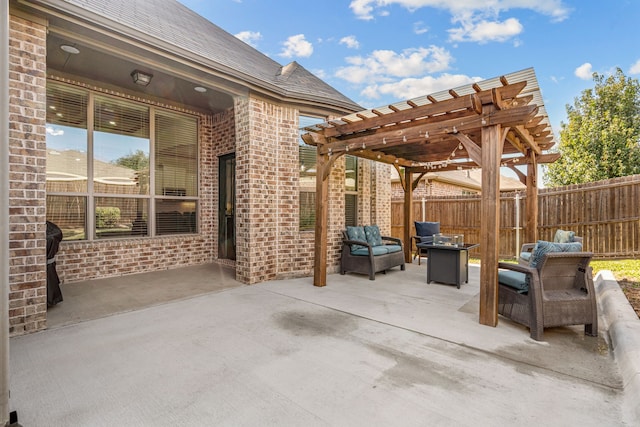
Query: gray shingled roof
{"type": "Point", "coordinates": [175, 25]}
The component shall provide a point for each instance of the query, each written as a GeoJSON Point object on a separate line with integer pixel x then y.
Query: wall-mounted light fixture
{"type": "Point", "coordinates": [141, 78]}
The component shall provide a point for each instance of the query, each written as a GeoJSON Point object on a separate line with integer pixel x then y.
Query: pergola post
{"type": "Point", "coordinates": [323, 169]}
{"type": "Point", "coordinates": [492, 142]}
{"type": "Point", "coordinates": [531, 225]}
{"type": "Point", "coordinates": [408, 214]}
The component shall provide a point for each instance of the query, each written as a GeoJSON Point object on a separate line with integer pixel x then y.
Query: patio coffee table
{"type": "Point", "coordinates": [448, 263]}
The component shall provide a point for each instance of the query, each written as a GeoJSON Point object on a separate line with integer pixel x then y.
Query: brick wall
{"type": "Point", "coordinates": [269, 243]}
{"type": "Point", "coordinates": [364, 192]}
{"type": "Point", "coordinates": [381, 197]}
{"type": "Point", "coordinates": [27, 174]}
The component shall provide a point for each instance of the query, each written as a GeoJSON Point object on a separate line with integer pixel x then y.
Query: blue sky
{"type": "Point", "coordinates": [378, 52]}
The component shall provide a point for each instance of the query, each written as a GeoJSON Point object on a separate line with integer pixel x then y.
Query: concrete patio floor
{"type": "Point", "coordinates": [205, 350]}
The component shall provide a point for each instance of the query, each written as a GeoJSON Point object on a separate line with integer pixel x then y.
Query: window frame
{"type": "Point", "coordinates": [309, 225]}
{"type": "Point", "coordinates": [151, 199]}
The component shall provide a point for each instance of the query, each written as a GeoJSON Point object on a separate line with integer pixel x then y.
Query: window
{"type": "Point", "coordinates": [176, 167]}
{"type": "Point", "coordinates": [307, 157]}
{"type": "Point", "coordinates": [100, 183]}
{"type": "Point", "coordinates": [351, 190]}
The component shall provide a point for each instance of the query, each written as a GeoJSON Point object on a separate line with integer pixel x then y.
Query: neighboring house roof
{"type": "Point", "coordinates": [471, 179]}
{"type": "Point", "coordinates": [60, 163]}
{"type": "Point", "coordinates": [171, 26]}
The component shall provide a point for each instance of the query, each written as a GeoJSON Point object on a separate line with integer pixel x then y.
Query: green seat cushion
{"type": "Point", "coordinates": [564, 236]}
{"type": "Point", "coordinates": [393, 248]}
{"type": "Point", "coordinates": [543, 247]}
{"type": "Point", "coordinates": [372, 232]}
{"type": "Point", "coordinates": [377, 250]}
{"type": "Point", "coordinates": [356, 233]}
{"type": "Point", "coordinates": [514, 279]}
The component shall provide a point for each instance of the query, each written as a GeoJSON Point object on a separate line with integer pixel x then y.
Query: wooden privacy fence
{"type": "Point", "coordinates": [605, 213]}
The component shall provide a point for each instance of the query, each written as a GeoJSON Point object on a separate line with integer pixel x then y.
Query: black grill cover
{"type": "Point", "coordinates": [54, 237]}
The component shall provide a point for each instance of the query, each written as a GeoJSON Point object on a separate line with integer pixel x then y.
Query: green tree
{"type": "Point", "coordinates": [136, 161]}
{"type": "Point", "coordinates": [602, 138]}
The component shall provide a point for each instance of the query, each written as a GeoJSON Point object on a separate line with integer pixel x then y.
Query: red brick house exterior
{"type": "Point", "coordinates": [257, 121]}
{"type": "Point", "coordinates": [451, 183]}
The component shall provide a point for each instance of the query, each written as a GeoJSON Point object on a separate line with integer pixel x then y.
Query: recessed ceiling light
{"type": "Point", "coordinates": [200, 89]}
{"type": "Point", "coordinates": [70, 49]}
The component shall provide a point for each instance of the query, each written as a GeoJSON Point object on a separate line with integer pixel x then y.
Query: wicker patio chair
{"type": "Point", "coordinates": [424, 234]}
{"type": "Point", "coordinates": [559, 291]}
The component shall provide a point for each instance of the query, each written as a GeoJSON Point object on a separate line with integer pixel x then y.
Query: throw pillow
{"type": "Point", "coordinates": [542, 248]}
{"type": "Point", "coordinates": [356, 233]}
{"type": "Point", "coordinates": [563, 236]}
{"type": "Point", "coordinates": [372, 233]}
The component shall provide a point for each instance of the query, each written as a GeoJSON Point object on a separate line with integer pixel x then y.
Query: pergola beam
{"type": "Point", "coordinates": [474, 151]}
{"type": "Point", "coordinates": [492, 143]}
{"type": "Point", "coordinates": [391, 138]}
{"type": "Point", "coordinates": [531, 225]}
{"type": "Point", "coordinates": [323, 165]}
{"type": "Point", "coordinates": [408, 214]}
{"type": "Point", "coordinates": [439, 107]}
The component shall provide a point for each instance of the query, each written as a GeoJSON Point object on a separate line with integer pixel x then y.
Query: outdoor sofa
{"type": "Point", "coordinates": [365, 251]}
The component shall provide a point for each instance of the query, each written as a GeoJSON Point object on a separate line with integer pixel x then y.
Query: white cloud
{"type": "Point", "coordinates": [249, 37]}
{"type": "Point", "coordinates": [350, 41]}
{"type": "Point", "coordinates": [635, 68]}
{"type": "Point", "coordinates": [362, 9]}
{"type": "Point", "coordinates": [584, 71]}
{"type": "Point", "coordinates": [297, 46]}
{"type": "Point", "coordinates": [320, 73]}
{"type": "Point", "coordinates": [53, 131]}
{"type": "Point", "coordinates": [484, 31]}
{"type": "Point", "coordinates": [556, 80]}
{"type": "Point", "coordinates": [385, 65]}
{"type": "Point", "coordinates": [419, 28]}
{"type": "Point", "coordinates": [555, 9]}
{"type": "Point", "coordinates": [414, 87]}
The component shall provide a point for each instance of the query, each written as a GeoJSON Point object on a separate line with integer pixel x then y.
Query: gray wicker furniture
{"type": "Point", "coordinates": [558, 291]}
{"type": "Point", "coordinates": [424, 234]}
{"type": "Point", "coordinates": [361, 256]}
{"type": "Point", "coordinates": [561, 236]}
{"type": "Point", "coordinates": [448, 264]}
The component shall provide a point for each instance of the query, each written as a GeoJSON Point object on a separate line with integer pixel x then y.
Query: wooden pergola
{"type": "Point", "coordinates": [491, 124]}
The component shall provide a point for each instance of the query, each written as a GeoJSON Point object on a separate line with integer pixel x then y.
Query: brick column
{"type": "Point", "coordinates": [27, 176]}
{"type": "Point", "coordinates": [381, 197]}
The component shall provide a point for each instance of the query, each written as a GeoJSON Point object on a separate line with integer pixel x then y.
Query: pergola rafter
{"type": "Point", "coordinates": [491, 124]}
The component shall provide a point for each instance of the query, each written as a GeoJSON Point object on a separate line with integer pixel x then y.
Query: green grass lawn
{"type": "Point", "coordinates": [623, 269]}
